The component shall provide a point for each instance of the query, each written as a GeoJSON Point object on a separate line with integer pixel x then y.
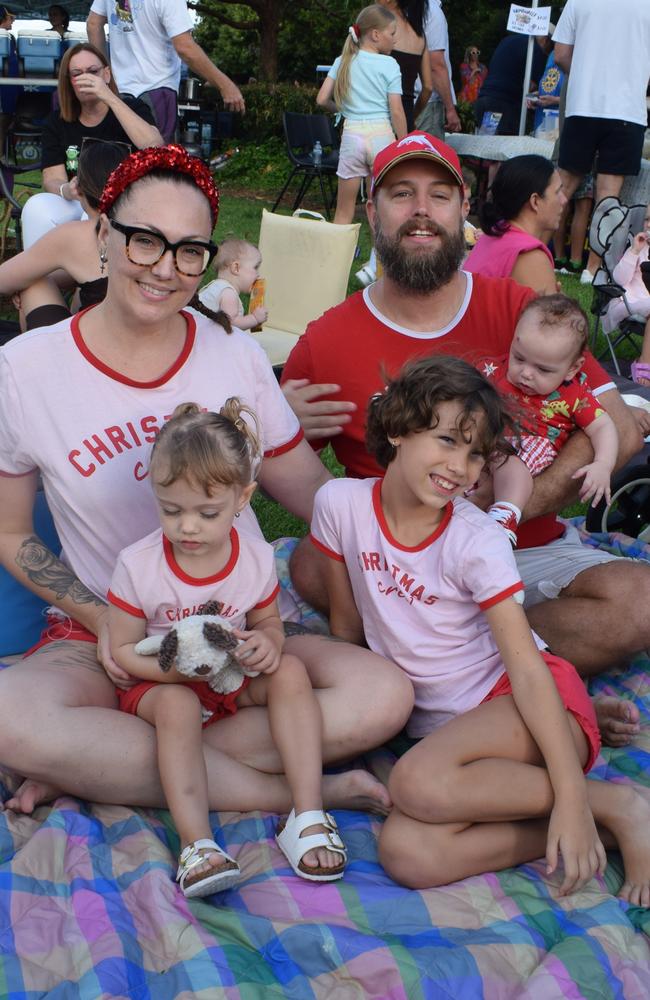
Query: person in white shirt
{"type": "Point", "coordinates": [148, 41]}
{"type": "Point", "coordinates": [604, 45]}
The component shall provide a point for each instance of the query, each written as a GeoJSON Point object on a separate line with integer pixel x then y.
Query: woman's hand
{"type": "Point", "coordinates": [258, 651]}
{"type": "Point", "coordinates": [572, 833]}
{"type": "Point", "coordinates": [93, 85]}
{"type": "Point", "coordinates": [116, 674]}
{"type": "Point", "coordinates": [318, 417]}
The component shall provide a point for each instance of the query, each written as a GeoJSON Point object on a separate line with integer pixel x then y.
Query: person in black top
{"type": "Point", "coordinates": [89, 108]}
{"type": "Point", "coordinates": [503, 87]}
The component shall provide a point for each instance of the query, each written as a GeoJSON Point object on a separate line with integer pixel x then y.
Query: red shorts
{"type": "Point", "coordinates": [536, 452]}
{"type": "Point", "coordinates": [62, 628]}
{"type": "Point", "coordinates": [575, 699]}
{"type": "Point", "coordinates": [220, 706]}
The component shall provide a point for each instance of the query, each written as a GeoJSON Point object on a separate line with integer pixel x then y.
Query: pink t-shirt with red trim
{"type": "Point", "coordinates": [423, 607]}
{"type": "Point", "coordinates": [89, 430]}
{"type": "Point", "coordinates": [149, 583]}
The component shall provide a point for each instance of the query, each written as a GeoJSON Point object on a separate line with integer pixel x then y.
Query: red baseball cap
{"type": "Point", "coordinates": [416, 145]}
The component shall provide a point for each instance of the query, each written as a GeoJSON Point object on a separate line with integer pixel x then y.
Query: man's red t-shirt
{"type": "Point", "coordinates": [352, 344]}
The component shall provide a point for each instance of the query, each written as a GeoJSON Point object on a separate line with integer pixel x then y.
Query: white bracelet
{"type": "Point", "coordinates": [61, 191]}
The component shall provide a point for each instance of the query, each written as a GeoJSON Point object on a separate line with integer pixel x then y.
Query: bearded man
{"type": "Point", "coordinates": [424, 304]}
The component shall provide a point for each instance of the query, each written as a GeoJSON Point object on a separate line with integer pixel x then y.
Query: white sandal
{"type": "Point", "coordinates": [212, 881]}
{"type": "Point", "coordinates": [294, 847]}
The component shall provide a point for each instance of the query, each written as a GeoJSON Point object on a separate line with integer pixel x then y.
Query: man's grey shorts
{"type": "Point", "coordinates": [548, 569]}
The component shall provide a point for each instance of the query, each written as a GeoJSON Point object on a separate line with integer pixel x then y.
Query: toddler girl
{"type": "Point", "coordinates": [430, 582]}
{"type": "Point", "coordinates": [366, 84]}
{"type": "Point", "coordinates": [542, 376]}
{"type": "Point", "coordinates": [202, 475]}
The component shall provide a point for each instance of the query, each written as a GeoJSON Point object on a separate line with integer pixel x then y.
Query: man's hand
{"type": "Point", "coordinates": [319, 418]}
{"type": "Point", "coordinates": [452, 123]}
{"type": "Point", "coordinates": [232, 96]}
{"type": "Point", "coordinates": [642, 419]}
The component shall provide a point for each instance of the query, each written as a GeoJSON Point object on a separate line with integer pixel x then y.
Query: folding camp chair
{"type": "Point", "coordinates": [612, 227]}
{"type": "Point", "coordinates": [306, 264]}
{"type": "Point", "coordinates": [301, 132]}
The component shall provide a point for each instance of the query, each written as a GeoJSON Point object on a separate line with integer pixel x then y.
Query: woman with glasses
{"type": "Point", "coordinates": [89, 108]}
{"type": "Point", "coordinates": [81, 403]}
{"type": "Point", "coordinates": [472, 74]}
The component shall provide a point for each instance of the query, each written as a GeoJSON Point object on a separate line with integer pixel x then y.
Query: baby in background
{"type": "Point", "coordinates": [542, 376]}
{"type": "Point", "coordinates": [237, 265]}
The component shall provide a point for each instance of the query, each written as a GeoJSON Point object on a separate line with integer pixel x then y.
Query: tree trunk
{"type": "Point", "coordinates": [270, 15]}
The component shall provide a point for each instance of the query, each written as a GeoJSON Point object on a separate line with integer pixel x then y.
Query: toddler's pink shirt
{"type": "Point", "coordinates": [148, 582]}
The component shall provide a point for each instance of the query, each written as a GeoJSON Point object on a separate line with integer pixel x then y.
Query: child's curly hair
{"type": "Point", "coordinates": [410, 403]}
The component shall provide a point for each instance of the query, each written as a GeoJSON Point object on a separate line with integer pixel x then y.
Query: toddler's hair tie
{"type": "Point", "coordinates": [355, 33]}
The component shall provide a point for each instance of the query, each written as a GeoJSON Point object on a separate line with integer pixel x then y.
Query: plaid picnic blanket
{"type": "Point", "coordinates": [89, 909]}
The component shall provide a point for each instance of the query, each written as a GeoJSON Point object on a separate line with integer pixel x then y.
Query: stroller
{"type": "Point", "coordinates": [612, 227]}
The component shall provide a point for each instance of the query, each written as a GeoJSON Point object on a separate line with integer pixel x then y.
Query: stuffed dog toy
{"type": "Point", "coordinates": [200, 647]}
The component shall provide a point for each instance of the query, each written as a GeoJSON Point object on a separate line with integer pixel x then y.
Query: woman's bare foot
{"type": "Point", "coordinates": [618, 720]}
{"type": "Point", "coordinates": [31, 794]}
{"type": "Point", "coordinates": [356, 790]}
{"type": "Point", "coordinates": [632, 838]}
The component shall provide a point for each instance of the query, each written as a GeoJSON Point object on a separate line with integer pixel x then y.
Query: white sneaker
{"type": "Point", "coordinates": [586, 278]}
{"type": "Point", "coordinates": [365, 275]}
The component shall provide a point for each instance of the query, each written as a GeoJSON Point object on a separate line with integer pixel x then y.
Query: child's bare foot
{"type": "Point", "coordinates": [212, 864]}
{"type": "Point", "coordinates": [618, 720]}
{"type": "Point", "coordinates": [204, 868]}
{"type": "Point", "coordinates": [356, 789]}
{"type": "Point", "coordinates": [321, 857]}
{"type": "Point", "coordinates": [31, 794]}
{"type": "Point", "coordinates": [633, 843]}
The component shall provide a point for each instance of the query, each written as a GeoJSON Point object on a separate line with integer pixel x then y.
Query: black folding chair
{"type": "Point", "coordinates": [22, 152]}
{"type": "Point", "coordinates": [301, 132]}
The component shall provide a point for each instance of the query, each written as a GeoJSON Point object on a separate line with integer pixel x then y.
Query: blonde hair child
{"type": "Point", "coordinates": [365, 85]}
{"type": "Point", "coordinates": [202, 474]}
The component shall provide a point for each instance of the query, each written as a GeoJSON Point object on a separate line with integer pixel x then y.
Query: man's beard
{"type": "Point", "coordinates": [420, 270]}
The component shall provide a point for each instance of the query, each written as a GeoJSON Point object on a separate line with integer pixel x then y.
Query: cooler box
{"type": "Point", "coordinates": [39, 52]}
{"type": "Point", "coordinates": [72, 38]}
{"type": "Point", "coordinates": [6, 40]}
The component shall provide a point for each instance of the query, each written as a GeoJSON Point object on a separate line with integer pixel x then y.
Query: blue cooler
{"type": "Point", "coordinates": [6, 40]}
{"type": "Point", "coordinates": [39, 52]}
{"type": "Point", "coordinates": [72, 38]}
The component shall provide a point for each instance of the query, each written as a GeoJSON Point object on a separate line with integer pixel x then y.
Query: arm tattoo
{"type": "Point", "coordinates": [44, 569]}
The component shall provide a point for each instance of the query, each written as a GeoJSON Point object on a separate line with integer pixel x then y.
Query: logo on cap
{"type": "Point", "coordinates": [418, 140]}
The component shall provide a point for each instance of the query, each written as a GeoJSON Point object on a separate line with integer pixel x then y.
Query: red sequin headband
{"type": "Point", "coordinates": [144, 161]}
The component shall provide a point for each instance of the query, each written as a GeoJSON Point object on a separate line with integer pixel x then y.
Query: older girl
{"type": "Point", "coordinates": [365, 85]}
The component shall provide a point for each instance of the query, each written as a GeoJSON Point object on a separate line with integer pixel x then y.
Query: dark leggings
{"type": "Point", "coordinates": [46, 316]}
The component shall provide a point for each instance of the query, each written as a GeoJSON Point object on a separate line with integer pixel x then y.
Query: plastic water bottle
{"type": "Point", "coordinates": [317, 153]}
{"type": "Point", "coordinates": [206, 140]}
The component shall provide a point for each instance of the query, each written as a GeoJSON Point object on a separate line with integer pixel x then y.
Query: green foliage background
{"type": "Point", "coordinates": [313, 32]}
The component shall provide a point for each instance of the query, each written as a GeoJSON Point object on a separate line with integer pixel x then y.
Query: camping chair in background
{"type": "Point", "coordinates": [22, 154]}
{"type": "Point", "coordinates": [306, 264]}
{"type": "Point", "coordinates": [300, 133]}
{"type": "Point", "coordinates": [612, 227]}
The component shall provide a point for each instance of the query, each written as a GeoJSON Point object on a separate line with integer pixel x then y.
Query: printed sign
{"type": "Point", "coordinates": [529, 20]}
